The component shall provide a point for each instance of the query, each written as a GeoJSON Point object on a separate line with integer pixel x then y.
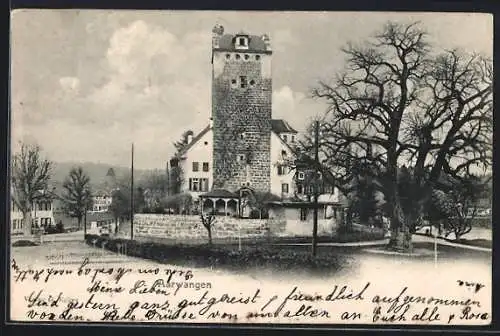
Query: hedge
{"type": "Point", "coordinates": [228, 257]}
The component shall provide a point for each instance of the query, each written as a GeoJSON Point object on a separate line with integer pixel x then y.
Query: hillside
{"type": "Point", "coordinates": [96, 171]}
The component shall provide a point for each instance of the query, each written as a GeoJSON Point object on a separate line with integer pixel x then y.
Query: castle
{"type": "Point", "coordinates": [242, 147]}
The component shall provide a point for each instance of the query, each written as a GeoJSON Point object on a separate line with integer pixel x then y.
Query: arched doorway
{"type": "Point", "coordinates": [246, 196]}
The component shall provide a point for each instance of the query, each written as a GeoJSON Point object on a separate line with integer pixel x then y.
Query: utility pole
{"type": "Point", "coordinates": [168, 180]}
{"type": "Point", "coordinates": [132, 196]}
{"type": "Point", "coordinates": [315, 189]}
{"type": "Point", "coordinates": [85, 221]}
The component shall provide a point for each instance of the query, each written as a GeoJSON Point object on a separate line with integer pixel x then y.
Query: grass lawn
{"type": "Point", "coordinates": [474, 242]}
{"type": "Point", "coordinates": [228, 256]}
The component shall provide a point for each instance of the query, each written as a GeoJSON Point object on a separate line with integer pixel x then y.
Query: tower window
{"type": "Point", "coordinates": [257, 57]}
{"type": "Point", "coordinates": [247, 56]}
{"type": "Point", "coordinates": [243, 82]}
{"type": "Point", "coordinates": [228, 56]}
{"type": "Point", "coordinates": [242, 42]}
{"type": "Point", "coordinates": [238, 56]}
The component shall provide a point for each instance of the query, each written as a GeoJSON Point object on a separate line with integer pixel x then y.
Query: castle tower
{"type": "Point", "coordinates": [241, 110]}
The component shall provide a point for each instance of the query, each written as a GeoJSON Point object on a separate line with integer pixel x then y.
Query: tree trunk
{"type": "Point", "coordinates": [27, 219]}
{"type": "Point", "coordinates": [209, 229]}
{"type": "Point", "coordinates": [400, 240]}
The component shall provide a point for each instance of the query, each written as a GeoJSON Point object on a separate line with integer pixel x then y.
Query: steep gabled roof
{"type": "Point", "coordinates": [194, 140]}
{"type": "Point", "coordinates": [277, 126]}
{"type": "Point", "coordinates": [281, 126]}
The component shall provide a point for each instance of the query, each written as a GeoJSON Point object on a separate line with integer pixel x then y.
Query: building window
{"type": "Point", "coordinates": [293, 138]}
{"type": "Point", "coordinates": [284, 188]}
{"type": "Point", "coordinates": [247, 56]}
{"type": "Point", "coordinates": [242, 42]}
{"type": "Point", "coordinates": [204, 184]}
{"type": "Point", "coordinates": [252, 83]}
{"type": "Point", "coordinates": [303, 214]}
{"type": "Point", "coordinates": [228, 56]}
{"type": "Point", "coordinates": [196, 166]}
{"type": "Point", "coordinates": [241, 157]}
{"type": "Point", "coordinates": [299, 189]}
{"type": "Point", "coordinates": [198, 184]}
{"type": "Point", "coordinates": [193, 184]}
{"type": "Point", "coordinates": [301, 176]}
{"type": "Point", "coordinates": [238, 56]}
{"type": "Point", "coordinates": [257, 57]}
{"type": "Point", "coordinates": [243, 82]}
{"type": "Point", "coordinates": [242, 135]}
{"type": "Point", "coordinates": [205, 166]}
{"type": "Point", "coordinates": [285, 138]}
{"type": "Point", "coordinates": [281, 170]}
{"type": "Point", "coordinates": [233, 83]}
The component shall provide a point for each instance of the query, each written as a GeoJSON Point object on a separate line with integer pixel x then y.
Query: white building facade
{"type": "Point", "coordinates": [197, 157]}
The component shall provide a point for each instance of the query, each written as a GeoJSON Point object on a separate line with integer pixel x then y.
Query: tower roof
{"type": "Point", "coordinates": [255, 43]}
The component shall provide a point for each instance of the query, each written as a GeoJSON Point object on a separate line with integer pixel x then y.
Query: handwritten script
{"type": "Point", "coordinates": [96, 292]}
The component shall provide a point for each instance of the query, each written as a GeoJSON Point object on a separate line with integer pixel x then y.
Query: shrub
{"type": "Point", "coordinates": [23, 243]}
{"type": "Point", "coordinates": [224, 256]}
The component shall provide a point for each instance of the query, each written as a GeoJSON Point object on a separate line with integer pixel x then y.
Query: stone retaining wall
{"type": "Point", "coordinates": [186, 227]}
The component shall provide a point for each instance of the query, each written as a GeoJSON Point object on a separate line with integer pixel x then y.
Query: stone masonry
{"type": "Point", "coordinates": [190, 227]}
{"type": "Point", "coordinates": [241, 113]}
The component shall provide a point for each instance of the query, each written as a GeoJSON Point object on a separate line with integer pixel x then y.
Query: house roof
{"type": "Point", "coordinates": [277, 126]}
{"type": "Point", "coordinates": [255, 43]}
{"type": "Point", "coordinates": [281, 126]}
{"type": "Point", "coordinates": [194, 140]}
{"type": "Point", "coordinates": [220, 193]}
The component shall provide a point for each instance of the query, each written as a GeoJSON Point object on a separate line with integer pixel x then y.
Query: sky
{"type": "Point", "coordinates": [85, 84]}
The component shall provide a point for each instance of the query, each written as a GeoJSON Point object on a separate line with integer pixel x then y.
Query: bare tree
{"type": "Point", "coordinates": [399, 102]}
{"type": "Point", "coordinates": [30, 175]}
{"type": "Point", "coordinates": [208, 220]}
{"type": "Point", "coordinates": [77, 197]}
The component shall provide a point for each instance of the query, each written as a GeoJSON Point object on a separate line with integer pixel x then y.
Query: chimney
{"type": "Point", "coordinates": [267, 41]}
{"type": "Point", "coordinates": [189, 138]}
{"type": "Point", "coordinates": [217, 32]}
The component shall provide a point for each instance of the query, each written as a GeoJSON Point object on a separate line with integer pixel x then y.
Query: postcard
{"type": "Point", "coordinates": [329, 168]}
